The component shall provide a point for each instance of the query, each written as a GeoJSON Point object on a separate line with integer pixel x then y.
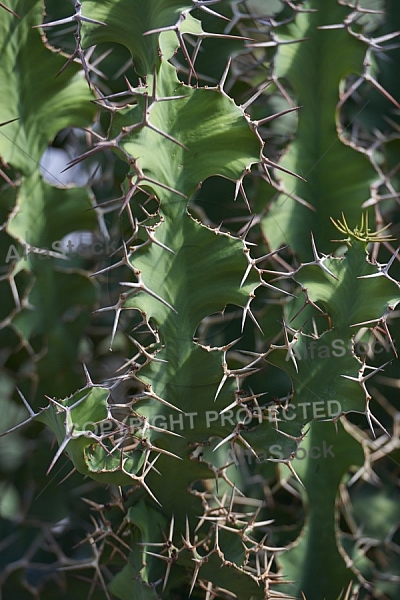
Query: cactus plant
{"type": "Point", "coordinates": [208, 315]}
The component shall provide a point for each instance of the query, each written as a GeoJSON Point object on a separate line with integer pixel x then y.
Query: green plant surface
{"type": "Point", "coordinates": [40, 112]}
{"type": "Point", "coordinates": [325, 369]}
{"type": "Point", "coordinates": [315, 552]}
{"type": "Point", "coordinates": [138, 20]}
{"type": "Point", "coordinates": [208, 387]}
{"type": "Point", "coordinates": [317, 152]}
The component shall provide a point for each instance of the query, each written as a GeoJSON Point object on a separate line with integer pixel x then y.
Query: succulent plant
{"type": "Point", "coordinates": [231, 440]}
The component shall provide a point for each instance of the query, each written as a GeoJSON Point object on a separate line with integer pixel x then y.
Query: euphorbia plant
{"type": "Point", "coordinates": [211, 316]}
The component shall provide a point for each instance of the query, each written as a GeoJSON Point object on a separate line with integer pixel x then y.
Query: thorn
{"type": "Point", "coordinates": [29, 409]}
{"type": "Point", "coordinates": [71, 19]}
{"type": "Point", "coordinates": [383, 270]}
{"type": "Point", "coordinates": [254, 261]}
{"type": "Point", "coordinates": [53, 401]}
{"type": "Point", "coordinates": [225, 74]}
{"type": "Point", "coordinates": [255, 96]}
{"type": "Point", "coordinates": [382, 90]}
{"type": "Point", "coordinates": [243, 192]}
{"type": "Point", "coordinates": [224, 378]}
{"type": "Point", "coordinates": [166, 452]}
{"type": "Point", "coordinates": [272, 287]}
{"type": "Point", "coordinates": [156, 241]}
{"type": "Point", "coordinates": [11, 120]}
{"type": "Point", "coordinates": [144, 484]}
{"type": "Point", "coordinates": [268, 176]}
{"type": "Point", "coordinates": [300, 200]}
{"type": "Point", "coordinates": [229, 437]}
{"type": "Point", "coordinates": [10, 11]}
{"type": "Point", "coordinates": [60, 449]}
{"type": "Point", "coordinates": [232, 405]}
{"type": "Point", "coordinates": [89, 382]}
{"type": "Point", "coordinates": [9, 181]}
{"type": "Point", "coordinates": [371, 416]}
{"type": "Point", "coordinates": [363, 378]}
{"type": "Point", "coordinates": [118, 310]}
{"type": "Point", "coordinates": [165, 558]}
{"type": "Point", "coordinates": [195, 574]}
{"type": "Point", "coordinates": [166, 135]}
{"type": "Point", "coordinates": [246, 273]}
{"type": "Point", "coordinates": [32, 416]}
{"type": "Point", "coordinates": [141, 286]}
{"type": "Point", "coordinates": [208, 10]}
{"type": "Point", "coordinates": [319, 260]}
{"type": "Point", "coordinates": [247, 229]}
{"type": "Point", "coordinates": [166, 576]}
{"type": "Point", "coordinates": [186, 54]}
{"type": "Point", "coordinates": [187, 531]}
{"type": "Point", "coordinates": [391, 341]}
{"type": "Point", "coordinates": [74, 470]}
{"type": "Point", "coordinates": [246, 310]}
{"type": "Point", "coordinates": [230, 344]}
{"type": "Point", "coordinates": [248, 446]}
{"type": "Point", "coordinates": [272, 44]}
{"type": "Point", "coordinates": [95, 150]}
{"type": "Point", "coordinates": [71, 59]}
{"type": "Point", "coordinates": [165, 187]}
{"type": "Point", "coordinates": [171, 528]}
{"type": "Point", "coordinates": [280, 168]}
{"type": "Point", "coordinates": [154, 395]}
{"type": "Point", "coordinates": [143, 350]}
{"type": "Point", "coordinates": [276, 115]}
{"type": "Point", "coordinates": [328, 27]}
{"type": "Point", "coordinates": [290, 466]}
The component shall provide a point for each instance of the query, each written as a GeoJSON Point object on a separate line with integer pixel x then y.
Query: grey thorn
{"type": "Point", "coordinates": [154, 395]}
{"type": "Point", "coordinates": [319, 260]}
{"type": "Point", "coordinates": [227, 439]}
{"type": "Point", "coordinates": [383, 269]}
{"type": "Point", "coordinates": [255, 96]}
{"type": "Point", "coordinates": [156, 241]}
{"type": "Point", "coordinates": [275, 165]}
{"type": "Point", "coordinates": [275, 116]}
{"type": "Point", "coordinates": [247, 310]}
{"type": "Point", "coordinates": [225, 74]}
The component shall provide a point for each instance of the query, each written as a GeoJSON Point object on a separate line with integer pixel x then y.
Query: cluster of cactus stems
{"type": "Point", "coordinates": [169, 428]}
